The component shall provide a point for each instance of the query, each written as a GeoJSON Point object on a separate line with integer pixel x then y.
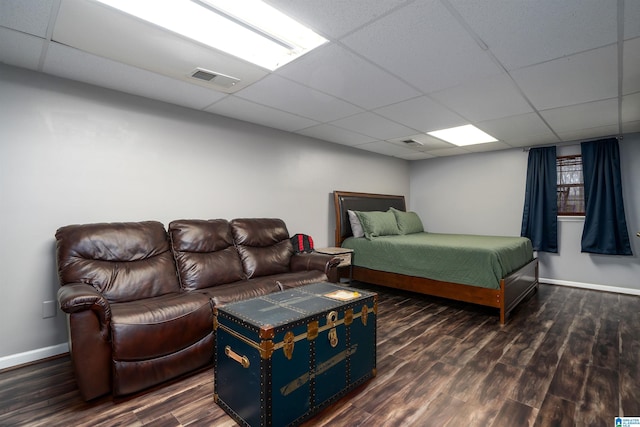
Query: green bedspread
{"type": "Point", "coordinates": [460, 258]}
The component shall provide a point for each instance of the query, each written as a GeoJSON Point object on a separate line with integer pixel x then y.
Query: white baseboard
{"type": "Point", "coordinates": [33, 355]}
{"type": "Point", "coordinates": [592, 286]}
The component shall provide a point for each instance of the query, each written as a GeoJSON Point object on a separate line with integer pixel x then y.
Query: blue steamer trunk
{"type": "Point", "coordinates": [281, 358]}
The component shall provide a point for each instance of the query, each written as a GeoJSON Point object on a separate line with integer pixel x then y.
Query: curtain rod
{"type": "Point", "coordinates": [572, 143]}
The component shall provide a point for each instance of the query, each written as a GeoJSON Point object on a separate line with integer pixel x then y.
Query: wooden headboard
{"type": "Point", "coordinates": [345, 201]}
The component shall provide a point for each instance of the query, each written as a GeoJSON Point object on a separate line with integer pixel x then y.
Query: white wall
{"type": "Point", "coordinates": [484, 194]}
{"type": "Point", "coordinates": [74, 153]}
{"type": "Point", "coordinates": [472, 194]}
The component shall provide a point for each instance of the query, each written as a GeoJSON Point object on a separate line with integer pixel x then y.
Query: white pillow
{"type": "Point", "coordinates": [356, 227]}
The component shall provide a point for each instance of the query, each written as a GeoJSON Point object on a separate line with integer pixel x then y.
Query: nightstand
{"type": "Point", "coordinates": [345, 255]}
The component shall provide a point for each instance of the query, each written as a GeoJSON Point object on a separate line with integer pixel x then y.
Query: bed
{"type": "Point", "coordinates": [485, 281]}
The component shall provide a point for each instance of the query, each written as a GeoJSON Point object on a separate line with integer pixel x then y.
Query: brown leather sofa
{"type": "Point", "coordinates": [139, 299]}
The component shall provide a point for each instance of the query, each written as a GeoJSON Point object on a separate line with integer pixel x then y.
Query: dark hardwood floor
{"type": "Point", "coordinates": [567, 357]}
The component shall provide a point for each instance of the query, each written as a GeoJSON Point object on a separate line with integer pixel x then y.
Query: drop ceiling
{"type": "Point", "coordinates": [527, 72]}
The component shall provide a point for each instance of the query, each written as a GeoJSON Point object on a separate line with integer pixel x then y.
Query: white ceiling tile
{"type": "Point", "coordinates": [631, 107]}
{"type": "Point", "coordinates": [373, 125]}
{"type": "Point", "coordinates": [427, 142]}
{"type": "Point", "coordinates": [631, 19]}
{"type": "Point", "coordinates": [422, 114]}
{"type": "Point", "coordinates": [417, 155]}
{"type": "Point", "coordinates": [631, 127]}
{"type": "Point", "coordinates": [335, 134]}
{"type": "Point", "coordinates": [386, 148]}
{"type": "Point", "coordinates": [518, 130]}
{"type": "Point", "coordinates": [335, 17]}
{"type": "Point", "coordinates": [444, 152]}
{"type": "Point", "coordinates": [563, 82]}
{"type": "Point", "coordinates": [241, 109]}
{"type": "Point", "coordinates": [31, 17]}
{"type": "Point", "coordinates": [590, 133]}
{"type": "Point", "coordinates": [283, 94]}
{"type": "Point", "coordinates": [423, 44]}
{"type": "Point", "coordinates": [583, 116]}
{"type": "Point", "coordinates": [518, 33]}
{"type": "Point", "coordinates": [338, 72]}
{"type": "Point", "coordinates": [631, 66]}
{"type": "Point", "coordinates": [532, 141]}
{"type": "Point", "coordinates": [63, 61]}
{"type": "Point", "coordinates": [485, 99]}
{"type": "Point", "coordinates": [19, 49]}
{"type": "Point", "coordinates": [489, 146]}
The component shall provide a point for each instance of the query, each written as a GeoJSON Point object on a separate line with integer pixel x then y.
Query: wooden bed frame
{"type": "Point", "coordinates": [513, 288]}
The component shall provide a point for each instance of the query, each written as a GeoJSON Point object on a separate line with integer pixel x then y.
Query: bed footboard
{"type": "Point", "coordinates": [517, 286]}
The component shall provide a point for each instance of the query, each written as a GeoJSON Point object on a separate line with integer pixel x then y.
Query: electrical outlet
{"type": "Point", "coordinates": [49, 309]}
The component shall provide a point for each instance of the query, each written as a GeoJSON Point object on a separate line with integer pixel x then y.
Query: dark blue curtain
{"type": "Point", "coordinates": [605, 227]}
{"type": "Point", "coordinates": [540, 215]}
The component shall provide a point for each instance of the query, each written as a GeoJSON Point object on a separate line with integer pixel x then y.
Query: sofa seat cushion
{"type": "Point", "coordinates": [159, 326]}
{"type": "Point", "coordinates": [299, 278]}
{"type": "Point", "coordinates": [244, 289]}
{"type": "Point", "coordinates": [132, 376]}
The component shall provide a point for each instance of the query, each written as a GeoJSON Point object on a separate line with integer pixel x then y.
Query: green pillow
{"type": "Point", "coordinates": [408, 222]}
{"type": "Point", "coordinates": [376, 223]}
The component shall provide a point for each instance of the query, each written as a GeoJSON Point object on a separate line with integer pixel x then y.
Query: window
{"type": "Point", "coordinates": [570, 186]}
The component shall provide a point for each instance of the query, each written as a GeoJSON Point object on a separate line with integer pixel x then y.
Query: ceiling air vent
{"type": "Point", "coordinates": [214, 78]}
{"type": "Point", "coordinates": [203, 75]}
{"type": "Point", "coordinates": [412, 143]}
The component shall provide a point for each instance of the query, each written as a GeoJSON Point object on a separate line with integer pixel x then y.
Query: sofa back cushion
{"type": "Point", "coordinates": [123, 261]}
{"type": "Point", "coordinates": [263, 245]}
{"type": "Point", "coordinates": [204, 252]}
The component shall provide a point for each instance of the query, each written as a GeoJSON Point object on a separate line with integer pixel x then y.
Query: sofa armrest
{"type": "Point", "coordinates": [77, 297]}
{"type": "Point", "coordinates": [89, 337]}
{"type": "Point", "coordinates": [315, 261]}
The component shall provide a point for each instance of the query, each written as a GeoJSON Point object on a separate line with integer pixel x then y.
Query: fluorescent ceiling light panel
{"type": "Point", "coordinates": [463, 135]}
{"type": "Point", "coordinates": [248, 29]}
